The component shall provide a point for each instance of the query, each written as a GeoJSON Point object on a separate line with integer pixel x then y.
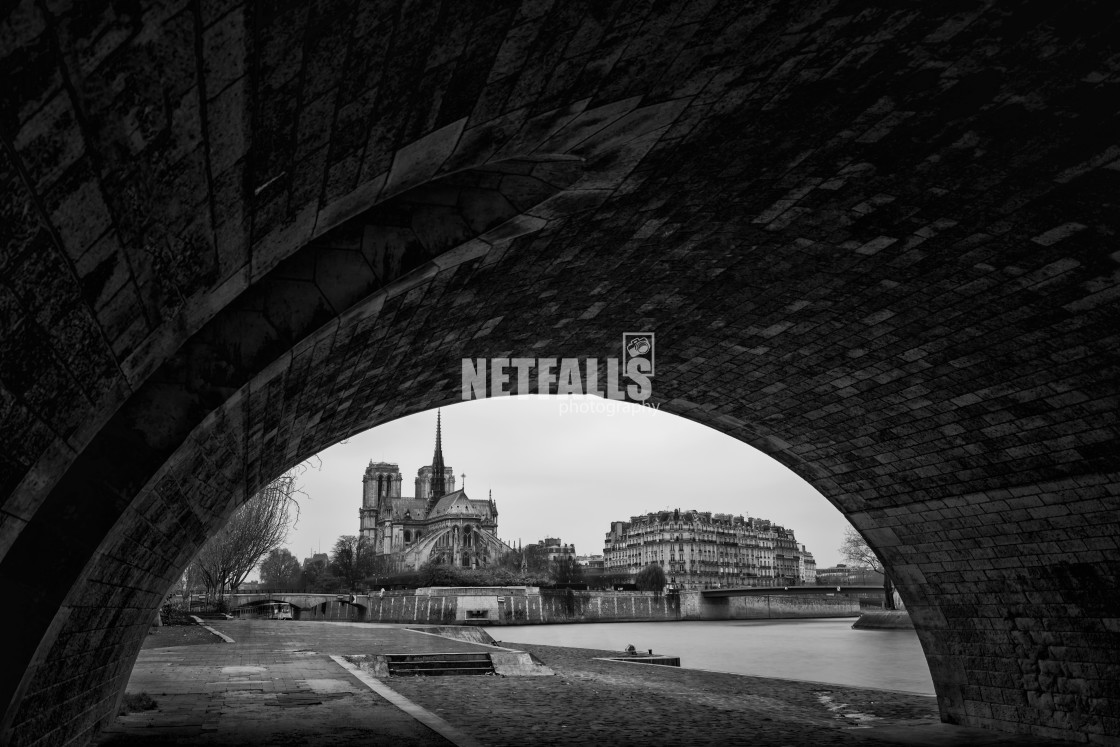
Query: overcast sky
{"type": "Point", "coordinates": [559, 472]}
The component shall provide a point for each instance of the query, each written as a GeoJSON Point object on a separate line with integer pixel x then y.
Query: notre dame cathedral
{"type": "Point", "coordinates": [441, 524]}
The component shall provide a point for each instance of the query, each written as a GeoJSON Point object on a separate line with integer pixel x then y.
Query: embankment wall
{"type": "Point", "coordinates": [518, 606]}
{"type": "Point", "coordinates": [695, 606]}
{"type": "Point", "coordinates": [532, 605]}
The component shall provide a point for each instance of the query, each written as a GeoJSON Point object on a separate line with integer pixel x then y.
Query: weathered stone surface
{"type": "Point", "coordinates": [876, 243]}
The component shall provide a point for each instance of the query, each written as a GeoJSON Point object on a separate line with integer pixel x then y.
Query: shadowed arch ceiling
{"type": "Point", "coordinates": [878, 243]}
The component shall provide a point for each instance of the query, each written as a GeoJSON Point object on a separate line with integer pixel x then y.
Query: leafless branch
{"type": "Point", "coordinates": [856, 551]}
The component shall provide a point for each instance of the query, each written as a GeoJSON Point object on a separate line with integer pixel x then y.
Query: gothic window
{"type": "Point", "coordinates": [407, 536]}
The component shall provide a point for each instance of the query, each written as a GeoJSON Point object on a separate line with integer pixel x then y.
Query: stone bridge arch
{"type": "Point", "coordinates": [317, 605]}
{"type": "Point", "coordinates": [253, 604]}
{"type": "Point", "coordinates": [877, 246]}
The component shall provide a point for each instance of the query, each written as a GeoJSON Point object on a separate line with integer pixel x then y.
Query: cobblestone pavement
{"type": "Point", "coordinates": [618, 703]}
{"type": "Point", "coordinates": [276, 685]}
{"type": "Point", "coordinates": [591, 701]}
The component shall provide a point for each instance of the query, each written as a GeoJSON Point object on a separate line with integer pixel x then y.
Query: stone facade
{"type": "Point", "coordinates": [440, 524]}
{"type": "Point", "coordinates": [553, 549]}
{"type": "Point", "coordinates": [592, 562]}
{"type": "Point", "coordinates": [701, 550]}
{"type": "Point", "coordinates": [806, 566]}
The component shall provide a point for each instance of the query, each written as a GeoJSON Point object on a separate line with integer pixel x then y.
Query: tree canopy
{"type": "Point", "coordinates": [280, 569]}
{"type": "Point", "coordinates": [651, 578]}
{"type": "Point", "coordinates": [565, 570]}
{"type": "Point", "coordinates": [352, 560]}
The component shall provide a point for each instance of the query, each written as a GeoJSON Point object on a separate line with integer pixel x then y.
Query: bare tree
{"type": "Point", "coordinates": [857, 552]}
{"type": "Point", "coordinates": [259, 526]}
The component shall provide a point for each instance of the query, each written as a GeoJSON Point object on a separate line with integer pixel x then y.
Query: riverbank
{"type": "Point", "coordinates": [824, 650]}
{"type": "Point", "coordinates": [613, 702]}
{"type": "Point", "coordinates": [277, 684]}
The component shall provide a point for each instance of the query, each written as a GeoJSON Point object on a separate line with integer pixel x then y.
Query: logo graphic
{"type": "Point", "coordinates": [494, 377]}
{"type": "Point", "coordinates": [637, 363]}
{"type": "Point", "coordinates": [637, 345]}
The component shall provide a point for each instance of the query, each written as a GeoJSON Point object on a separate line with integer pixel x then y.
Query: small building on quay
{"type": "Point", "coordinates": [553, 549]}
{"type": "Point", "coordinates": [702, 550]}
{"type": "Point", "coordinates": [591, 562]}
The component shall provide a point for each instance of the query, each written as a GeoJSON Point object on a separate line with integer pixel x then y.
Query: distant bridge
{"type": "Point", "coordinates": [767, 591]}
{"type": "Point", "coordinates": [307, 606]}
{"type": "Point", "coordinates": [299, 599]}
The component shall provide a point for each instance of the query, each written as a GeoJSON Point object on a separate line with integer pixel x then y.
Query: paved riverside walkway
{"type": "Point", "coordinates": [277, 685]}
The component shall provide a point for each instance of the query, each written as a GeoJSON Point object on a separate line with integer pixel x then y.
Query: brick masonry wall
{"type": "Point", "coordinates": [877, 243]}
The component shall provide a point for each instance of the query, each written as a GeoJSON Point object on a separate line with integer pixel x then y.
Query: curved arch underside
{"type": "Point", "coordinates": [876, 243]}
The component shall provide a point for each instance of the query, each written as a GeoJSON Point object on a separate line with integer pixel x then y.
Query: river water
{"type": "Point", "coordinates": [819, 650]}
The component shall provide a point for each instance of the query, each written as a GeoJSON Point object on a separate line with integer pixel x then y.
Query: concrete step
{"type": "Point", "coordinates": [439, 664]}
{"type": "Point", "coordinates": [439, 672]}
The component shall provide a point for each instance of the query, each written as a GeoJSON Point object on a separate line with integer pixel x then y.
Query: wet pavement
{"type": "Point", "coordinates": [277, 684]}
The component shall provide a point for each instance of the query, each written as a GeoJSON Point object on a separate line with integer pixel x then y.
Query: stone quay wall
{"type": "Point", "coordinates": [777, 606]}
{"type": "Point", "coordinates": [532, 605]}
{"type": "Point", "coordinates": [513, 606]}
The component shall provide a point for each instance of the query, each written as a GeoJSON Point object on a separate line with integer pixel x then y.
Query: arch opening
{"type": "Point", "coordinates": [904, 294]}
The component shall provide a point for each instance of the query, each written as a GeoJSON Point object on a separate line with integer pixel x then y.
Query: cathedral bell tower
{"type": "Point", "coordinates": [381, 484]}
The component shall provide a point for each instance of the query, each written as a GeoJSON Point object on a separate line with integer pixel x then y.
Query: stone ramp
{"type": "Point", "coordinates": [468, 633]}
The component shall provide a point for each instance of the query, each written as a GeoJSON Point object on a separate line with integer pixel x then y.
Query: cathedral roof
{"type": "Point", "coordinates": [455, 502]}
{"type": "Point", "coordinates": [416, 508]}
{"type": "Point", "coordinates": [458, 504]}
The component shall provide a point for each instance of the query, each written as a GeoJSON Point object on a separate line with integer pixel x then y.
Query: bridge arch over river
{"type": "Point", "coordinates": [877, 242]}
{"type": "Point", "coordinates": [311, 606]}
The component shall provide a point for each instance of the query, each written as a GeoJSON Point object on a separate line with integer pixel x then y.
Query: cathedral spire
{"type": "Point", "coordinates": [439, 488]}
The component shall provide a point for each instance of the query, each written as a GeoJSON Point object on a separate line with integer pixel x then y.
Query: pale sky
{"type": "Point", "coordinates": [567, 467]}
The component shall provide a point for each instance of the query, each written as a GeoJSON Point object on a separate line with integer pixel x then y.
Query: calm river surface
{"type": "Point", "coordinates": [825, 650]}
